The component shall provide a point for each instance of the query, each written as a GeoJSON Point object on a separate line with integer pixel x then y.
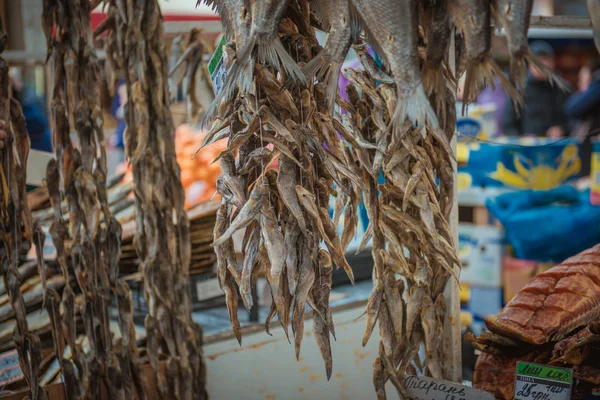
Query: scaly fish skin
{"type": "Point", "coordinates": [391, 28]}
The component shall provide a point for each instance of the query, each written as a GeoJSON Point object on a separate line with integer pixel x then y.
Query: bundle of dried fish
{"type": "Point", "coordinates": [408, 217]}
{"type": "Point", "coordinates": [16, 226]}
{"type": "Point", "coordinates": [283, 212]}
{"type": "Point", "coordinates": [191, 70]}
{"type": "Point", "coordinates": [88, 235]}
{"type": "Point", "coordinates": [555, 319]}
{"type": "Point", "coordinates": [162, 238]}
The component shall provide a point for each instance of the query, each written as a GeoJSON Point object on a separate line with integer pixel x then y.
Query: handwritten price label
{"type": "Point", "coordinates": [542, 382]}
{"type": "Point", "coordinates": [423, 388]}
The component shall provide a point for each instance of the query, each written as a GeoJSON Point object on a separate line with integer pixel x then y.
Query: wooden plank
{"type": "Point", "coordinates": [452, 336]}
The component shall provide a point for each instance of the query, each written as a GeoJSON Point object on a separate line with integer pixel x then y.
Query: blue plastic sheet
{"type": "Point", "coordinates": [547, 225]}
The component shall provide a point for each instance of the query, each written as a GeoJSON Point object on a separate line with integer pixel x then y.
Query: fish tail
{"type": "Point", "coordinates": [552, 77]}
{"type": "Point", "coordinates": [511, 91]}
{"type": "Point", "coordinates": [434, 83]}
{"type": "Point", "coordinates": [273, 53]}
{"type": "Point", "coordinates": [327, 72]}
{"type": "Point", "coordinates": [480, 74]}
{"type": "Point", "coordinates": [518, 72]}
{"type": "Point", "coordinates": [416, 108]}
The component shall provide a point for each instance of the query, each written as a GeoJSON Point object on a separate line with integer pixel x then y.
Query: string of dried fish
{"type": "Point", "coordinates": [283, 212]}
{"type": "Point", "coordinates": [162, 238]}
{"type": "Point", "coordinates": [16, 226]}
{"type": "Point", "coordinates": [88, 236]}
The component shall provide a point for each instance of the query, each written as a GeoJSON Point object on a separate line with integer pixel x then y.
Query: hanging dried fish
{"type": "Point", "coordinates": [162, 238]}
{"type": "Point", "coordinates": [16, 227]}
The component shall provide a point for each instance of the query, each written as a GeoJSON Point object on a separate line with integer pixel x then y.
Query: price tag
{"type": "Point", "coordinates": [542, 382]}
{"type": "Point", "coordinates": [423, 388]}
{"type": "Point", "coordinates": [216, 67]}
{"type": "Point", "coordinates": [10, 370]}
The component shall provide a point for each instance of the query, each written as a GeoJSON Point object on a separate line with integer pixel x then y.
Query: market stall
{"type": "Point", "coordinates": [244, 216]}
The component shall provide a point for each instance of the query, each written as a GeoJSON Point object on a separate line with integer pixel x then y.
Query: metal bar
{"type": "Point", "coordinates": [35, 57]}
{"type": "Point", "coordinates": [560, 22]}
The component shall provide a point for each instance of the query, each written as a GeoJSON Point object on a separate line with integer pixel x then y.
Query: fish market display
{"type": "Point", "coordinates": [290, 149]}
{"type": "Point", "coordinates": [554, 320]}
{"type": "Point", "coordinates": [15, 227]}
{"type": "Point", "coordinates": [281, 207]}
{"type": "Point", "coordinates": [87, 236]}
{"type": "Point", "coordinates": [162, 239]}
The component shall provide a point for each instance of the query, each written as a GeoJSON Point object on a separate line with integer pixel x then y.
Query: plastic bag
{"type": "Point", "coordinates": [547, 225]}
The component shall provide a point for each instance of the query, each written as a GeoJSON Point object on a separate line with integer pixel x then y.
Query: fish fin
{"type": "Point", "coordinates": [416, 108]}
{"type": "Point", "coordinates": [319, 9]}
{"type": "Point", "coordinates": [326, 72]}
{"type": "Point", "coordinates": [554, 79]}
{"type": "Point", "coordinates": [434, 84]}
{"type": "Point", "coordinates": [518, 73]}
{"type": "Point", "coordinates": [273, 53]}
{"type": "Point", "coordinates": [480, 74]}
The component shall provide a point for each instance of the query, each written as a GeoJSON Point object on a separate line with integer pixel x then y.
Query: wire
{"type": "Point", "coordinates": [513, 144]}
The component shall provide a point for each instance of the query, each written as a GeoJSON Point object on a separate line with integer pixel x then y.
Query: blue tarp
{"type": "Point", "coordinates": [548, 225]}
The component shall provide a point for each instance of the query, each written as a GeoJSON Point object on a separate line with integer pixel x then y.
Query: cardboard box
{"type": "Point", "coordinates": [481, 249]}
{"type": "Point", "coordinates": [485, 302]}
{"type": "Point", "coordinates": [518, 163]}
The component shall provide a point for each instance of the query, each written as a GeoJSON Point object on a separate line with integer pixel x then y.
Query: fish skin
{"type": "Point", "coordinates": [221, 225]}
{"type": "Point", "coordinates": [326, 65]}
{"type": "Point", "coordinates": [413, 308]}
{"type": "Point", "coordinates": [373, 305]}
{"type": "Point", "coordinates": [334, 245]}
{"type": "Point", "coordinates": [372, 69]}
{"type": "Point", "coordinates": [231, 299]}
{"type": "Point", "coordinates": [286, 183]}
{"type": "Point", "coordinates": [305, 283]}
{"type": "Point", "coordinates": [393, 295]}
{"type": "Point", "coordinates": [291, 237]}
{"type": "Point", "coordinates": [247, 214]}
{"type": "Point", "coordinates": [276, 251]}
{"type": "Point", "coordinates": [379, 379]}
{"type": "Point", "coordinates": [391, 29]}
{"type": "Point", "coordinates": [350, 223]}
{"type": "Point", "coordinates": [430, 324]}
{"type": "Point", "coordinates": [322, 321]}
{"type": "Point", "coordinates": [232, 182]}
{"type": "Point", "coordinates": [250, 261]}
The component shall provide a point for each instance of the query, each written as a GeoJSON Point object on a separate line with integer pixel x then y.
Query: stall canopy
{"type": "Point", "coordinates": [180, 16]}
